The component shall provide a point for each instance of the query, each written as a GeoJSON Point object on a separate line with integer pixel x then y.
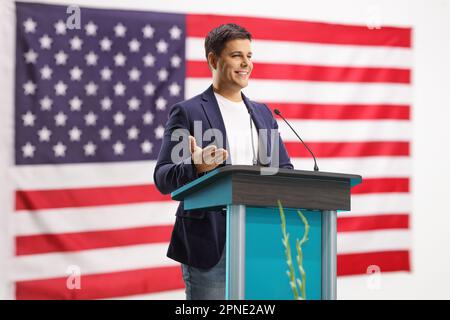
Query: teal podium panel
{"type": "Point", "coordinates": [265, 259]}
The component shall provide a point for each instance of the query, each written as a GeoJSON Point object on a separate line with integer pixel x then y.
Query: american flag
{"type": "Point", "coordinates": [90, 108]}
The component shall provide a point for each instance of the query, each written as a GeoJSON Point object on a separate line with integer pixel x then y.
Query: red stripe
{"type": "Point", "coordinates": [293, 30]}
{"type": "Point", "coordinates": [277, 71]}
{"type": "Point", "coordinates": [44, 243]}
{"type": "Point", "coordinates": [381, 185]}
{"type": "Point", "coordinates": [106, 285]}
{"type": "Point", "coordinates": [358, 263]}
{"type": "Point", "coordinates": [86, 197]}
{"type": "Point", "coordinates": [349, 149]}
{"type": "Point", "coordinates": [376, 222]}
{"type": "Point", "coordinates": [341, 111]}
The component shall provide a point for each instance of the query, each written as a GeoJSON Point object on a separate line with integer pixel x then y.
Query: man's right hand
{"type": "Point", "coordinates": [208, 158]}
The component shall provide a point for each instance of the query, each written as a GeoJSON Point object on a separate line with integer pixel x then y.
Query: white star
{"type": "Point", "coordinates": [105, 133]}
{"type": "Point", "coordinates": [75, 104]}
{"type": "Point", "coordinates": [119, 59]}
{"type": "Point", "coordinates": [175, 33]}
{"type": "Point", "coordinates": [175, 61]}
{"type": "Point", "coordinates": [44, 134]}
{"type": "Point", "coordinates": [162, 46]}
{"type": "Point", "coordinates": [29, 87]}
{"type": "Point", "coordinates": [76, 73]}
{"type": "Point", "coordinates": [146, 146]}
{"type": "Point", "coordinates": [106, 103]}
{"type": "Point", "coordinates": [119, 89]}
{"type": "Point", "coordinates": [45, 41]}
{"type": "Point", "coordinates": [91, 89]}
{"type": "Point", "coordinates": [46, 72]}
{"type": "Point", "coordinates": [149, 60]}
{"type": "Point", "coordinates": [60, 88]}
{"type": "Point", "coordinates": [46, 103]}
{"type": "Point", "coordinates": [120, 30]}
{"type": "Point", "coordinates": [61, 58]}
{"type": "Point", "coordinates": [174, 89]}
{"type": "Point", "coordinates": [29, 25]}
{"type": "Point", "coordinates": [60, 27]}
{"type": "Point", "coordinates": [106, 73]}
{"type": "Point", "coordinates": [134, 45]}
{"type": "Point", "coordinates": [161, 103]}
{"type": "Point", "coordinates": [118, 147]}
{"type": "Point", "coordinates": [134, 74]}
{"type": "Point", "coordinates": [59, 149]}
{"type": "Point", "coordinates": [60, 119]}
{"type": "Point", "coordinates": [28, 150]}
{"type": "Point", "coordinates": [89, 149]}
{"type": "Point", "coordinates": [91, 29]}
{"type": "Point", "coordinates": [91, 59]}
{"type": "Point", "coordinates": [149, 89]}
{"type": "Point", "coordinates": [147, 118]}
{"type": "Point", "coordinates": [134, 103]}
{"type": "Point", "coordinates": [90, 119]}
{"type": "Point", "coordinates": [28, 119]}
{"type": "Point", "coordinates": [105, 44]}
{"type": "Point", "coordinates": [159, 132]}
{"type": "Point", "coordinates": [148, 31]}
{"type": "Point", "coordinates": [163, 74]}
{"type": "Point", "coordinates": [75, 134]}
{"type": "Point", "coordinates": [30, 56]}
{"type": "Point", "coordinates": [76, 43]}
{"type": "Point", "coordinates": [133, 133]}
{"type": "Point", "coordinates": [119, 119]}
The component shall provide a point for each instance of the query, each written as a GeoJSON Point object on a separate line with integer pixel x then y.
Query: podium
{"type": "Point", "coordinates": [255, 256]}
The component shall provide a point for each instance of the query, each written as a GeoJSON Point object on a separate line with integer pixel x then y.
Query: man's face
{"type": "Point", "coordinates": [234, 65]}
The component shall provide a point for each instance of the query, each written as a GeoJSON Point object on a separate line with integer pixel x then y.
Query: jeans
{"type": "Point", "coordinates": [205, 284]}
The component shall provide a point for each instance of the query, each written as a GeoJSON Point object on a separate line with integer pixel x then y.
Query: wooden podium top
{"type": "Point", "coordinates": [262, 186]}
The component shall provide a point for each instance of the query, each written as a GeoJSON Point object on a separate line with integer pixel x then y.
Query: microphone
{"type": "Point", "coordinates": [278, 113]}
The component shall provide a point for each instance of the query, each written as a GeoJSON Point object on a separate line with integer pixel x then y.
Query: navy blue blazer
{"type": "Point", "coordinates": [198, 236]}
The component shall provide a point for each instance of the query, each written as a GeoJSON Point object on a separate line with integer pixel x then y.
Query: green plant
{"type": "Point", "coordinates": [293, 281]}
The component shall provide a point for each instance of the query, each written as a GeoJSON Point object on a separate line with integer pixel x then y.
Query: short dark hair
{"type": "Point", "coordinates": [217, 38]}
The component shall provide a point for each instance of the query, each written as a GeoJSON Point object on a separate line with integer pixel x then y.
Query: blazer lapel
{"type": "Point", "coordinates": [256, 116]}
{"type": "Point", "coordinates": [214, 116]}
{"type": "Point", "coordinates": [259, 124]}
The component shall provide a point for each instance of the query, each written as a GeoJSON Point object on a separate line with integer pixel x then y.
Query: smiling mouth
{"type": "Point", "coordinates": [242, 73]}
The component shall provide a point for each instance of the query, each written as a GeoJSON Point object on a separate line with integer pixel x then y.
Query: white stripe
{"type": "Point", "coordinates": [82, 175]}
{"type": "Point", "coordinates": [164, 295]}
{"type": "Point", "coordinates": [346, 130]}
{"type": "Point", "coordinates": [95, 218]}
{"type": "Point", "coordinates": [314, 92]}
{"type": "Point", "coordinates": [367, 167]}
{"type": "Point", "coordinates": [373, 241]}
{"type": "Point", "coordinates": [379, 203]}
{"type": "Point", "coordinates": [290, 52]}
{"type": "Point", "coordinates": [52, 265]}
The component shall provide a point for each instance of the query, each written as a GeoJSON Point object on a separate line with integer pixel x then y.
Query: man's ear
{"type": "Point", "coordinates": [212, 61]}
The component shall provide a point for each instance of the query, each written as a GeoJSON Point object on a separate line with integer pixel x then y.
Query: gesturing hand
{"type": "Point", "coordinates": [208, 158]}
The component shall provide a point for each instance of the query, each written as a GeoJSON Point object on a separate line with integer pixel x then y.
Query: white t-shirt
{"type": "Point", "coordinates": [237, 125]}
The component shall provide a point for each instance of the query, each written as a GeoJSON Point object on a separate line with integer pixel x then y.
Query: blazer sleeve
{"type": "Point", "coordinates": [285, 161]}
{"type": "Point", "coordinates": [169, 176]}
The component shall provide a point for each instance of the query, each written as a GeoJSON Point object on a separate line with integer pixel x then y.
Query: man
{"type": "Point", "coordinates": [198, 237]}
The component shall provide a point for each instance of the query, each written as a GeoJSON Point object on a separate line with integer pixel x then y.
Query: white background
{"type": "Point", "coordinates": [430, 222]}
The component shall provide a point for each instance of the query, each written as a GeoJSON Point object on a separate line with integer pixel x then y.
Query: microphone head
{"type": "Point", "coordinates": [277, 112]}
